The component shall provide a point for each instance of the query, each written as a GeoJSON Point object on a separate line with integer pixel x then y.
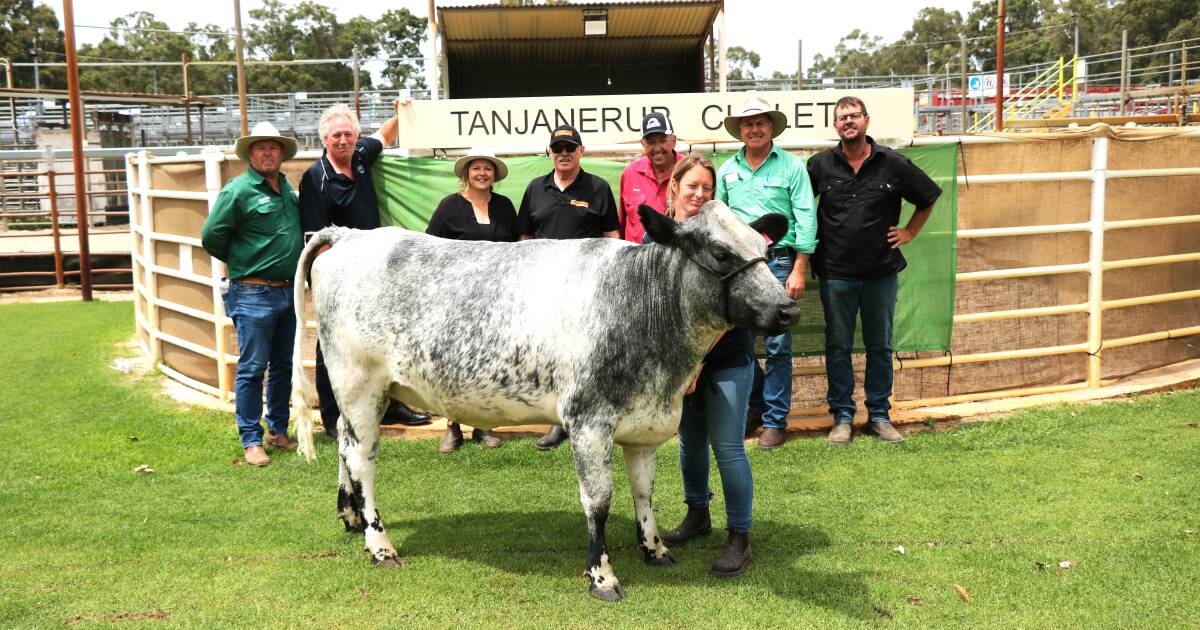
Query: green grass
{"type": "Point", "coordinates": [497, 538]}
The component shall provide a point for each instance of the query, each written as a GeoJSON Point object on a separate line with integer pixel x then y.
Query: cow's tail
{"type": "Point", "coordinates": [304, 394]}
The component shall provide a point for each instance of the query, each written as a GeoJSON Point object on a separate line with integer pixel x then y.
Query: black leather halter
{"type": "Point", "coordinates": [725, 278]}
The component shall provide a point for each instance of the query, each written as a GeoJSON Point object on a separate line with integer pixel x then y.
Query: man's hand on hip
{"type": "Point", "coordinates": [898, 236]}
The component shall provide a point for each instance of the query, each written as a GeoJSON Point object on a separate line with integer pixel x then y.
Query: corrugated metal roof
{"type": "Point", "coordinates": [540, 22]}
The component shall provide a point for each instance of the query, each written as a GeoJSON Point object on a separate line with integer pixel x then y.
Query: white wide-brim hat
{"type": "Point", "coordinates": [481, 153]}
{"type": "Point", "coordinates": [752, 107]}
{"type": "Point", "coordinates": [264, 131]}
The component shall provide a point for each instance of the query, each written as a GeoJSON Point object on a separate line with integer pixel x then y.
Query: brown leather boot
{"type": "Point", "coordinates": [841, 433]}
{"type": "Point", "coordinates": [736, 557]}
{"type": "Point", "coordinates": [696, 522]}
{"type": "Point", "coordinates": [552, 439]}
{"type": "Point", "coordinates": [771, 438]}
{"type": "Point", "coordinates": [257, 456]}
{"type": "Point", "coordinates": [886, 432]}
{"type": "Point", "coordinates": [281, 441]}
{"type": "Point", "coordinates": [487, 438]}
{"type": "Point", "coordinates": [451, 439]}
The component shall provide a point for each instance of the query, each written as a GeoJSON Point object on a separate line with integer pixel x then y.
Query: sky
{"type": "Point", "coordinates": [772, 28]}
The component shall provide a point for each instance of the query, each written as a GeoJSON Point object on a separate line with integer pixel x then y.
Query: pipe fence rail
{"type": "Point", "coordinates": [37, 210]}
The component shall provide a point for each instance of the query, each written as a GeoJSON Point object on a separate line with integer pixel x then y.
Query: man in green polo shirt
{"type": "Point", "coordinates": [763, 178]}
{"type": "Point", "coordinates": [254, 227]}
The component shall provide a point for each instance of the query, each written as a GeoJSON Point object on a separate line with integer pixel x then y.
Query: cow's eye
{"type": "Point", "coordinates": [721, 255]}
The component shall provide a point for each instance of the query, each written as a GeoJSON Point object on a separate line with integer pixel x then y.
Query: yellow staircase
{"type": "Point", "coordinates": [1050, 95]}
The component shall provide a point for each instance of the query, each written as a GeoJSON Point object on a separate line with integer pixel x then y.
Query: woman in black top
{"type": "Point", "coordinates": [474, 213]}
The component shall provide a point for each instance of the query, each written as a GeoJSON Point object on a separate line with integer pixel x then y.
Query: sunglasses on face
{"type": "Point", "coordinates": [563, 148]}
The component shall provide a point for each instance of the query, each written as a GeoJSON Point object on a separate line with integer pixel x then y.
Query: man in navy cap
{"type": "Point", "coordinates": [645, 180]}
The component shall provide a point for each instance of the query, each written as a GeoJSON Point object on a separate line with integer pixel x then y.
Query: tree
{"type": "Point", "coordinates": [401, 36]}
{"type": "Point", "coordinates": [741, 63]}
{"type": "Point", "coordinates": [1037, 32]}
{"type": "Point", "coordinates": [307, 31]}
{"type": "Point", "coordinates": [856, 54]}
{"type": "Point", "coordinates": [24, 27]}
{"type": "Point", "coordinates": [931, 44]}
{"type": "Point", "coordinates": [210, 43]}
{"type": "Point", "coordinates": [136, 37]}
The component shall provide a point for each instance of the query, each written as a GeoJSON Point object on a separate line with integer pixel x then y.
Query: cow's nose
{"type": "Point", "coordinates": [787, 317]}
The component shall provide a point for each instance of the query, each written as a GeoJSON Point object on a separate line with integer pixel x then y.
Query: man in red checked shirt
{"type": "Point", "coordinates": [645, 180]}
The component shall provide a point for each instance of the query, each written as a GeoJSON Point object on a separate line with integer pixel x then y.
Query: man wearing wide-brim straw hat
{"type": "Point", "coordinates": [764, 178]}
{"type": "Point", "coordinates": [254, 227]}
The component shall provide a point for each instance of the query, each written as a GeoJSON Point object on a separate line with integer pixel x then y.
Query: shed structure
{"type": "Point", "coordinates": [497, 51]}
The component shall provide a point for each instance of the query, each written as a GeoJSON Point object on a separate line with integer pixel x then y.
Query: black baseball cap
{"type": "Point", "coordinates": [656, 122]}
{"type": "Point", "coordinates": [565, 133]}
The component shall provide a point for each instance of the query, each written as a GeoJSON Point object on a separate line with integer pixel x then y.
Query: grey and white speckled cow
{"type": "Point", "coordinates": [600, 335]}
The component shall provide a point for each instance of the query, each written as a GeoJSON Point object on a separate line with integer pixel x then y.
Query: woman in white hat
{"type": "Point", "coordinates": [474, 213]}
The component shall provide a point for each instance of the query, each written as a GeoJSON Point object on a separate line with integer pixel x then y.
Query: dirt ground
{"type": "Point", "coordinates": [63, 295]}
{"type": "Point", "coordinates": [116, 239]}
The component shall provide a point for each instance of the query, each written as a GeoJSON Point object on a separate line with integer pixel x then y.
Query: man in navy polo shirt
{"type": "Point", "coordinates": [566, 203]}
{"type": "Point", "coordinates": [337, 190]}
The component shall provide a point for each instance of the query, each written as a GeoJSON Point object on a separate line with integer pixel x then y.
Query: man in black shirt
{"type": "Point", "coordinates": [337, 190]}
{"type": "Point", "coordinates": [567, 203]}
{"type": "Point", "coordinates": [859, 186]}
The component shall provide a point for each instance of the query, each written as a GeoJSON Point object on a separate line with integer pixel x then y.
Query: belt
{"type": "Point", "coordinates": [270, 283]}
{"type": "Point", "coordinates": [776, 252]}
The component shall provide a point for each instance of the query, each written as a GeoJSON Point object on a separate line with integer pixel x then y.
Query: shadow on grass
{"type": "Point", "coordinates": [553, 543]}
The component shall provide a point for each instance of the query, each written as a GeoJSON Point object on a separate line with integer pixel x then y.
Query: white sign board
{"type": "Point", "coordinates": [616, 119]}
{"type": "Point", "coordinates": [984, 85]}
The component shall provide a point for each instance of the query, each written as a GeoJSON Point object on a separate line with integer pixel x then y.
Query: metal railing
{"type": "Point", "coordinates": [33, 223]}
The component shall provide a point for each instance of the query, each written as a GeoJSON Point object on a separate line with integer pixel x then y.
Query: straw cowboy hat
{"type": "Point", "coordinates": [264, 131]}
{"type": "Point", "coordinates": [753, 106]}
{"type": "Point", "coordinates": [481, 153]}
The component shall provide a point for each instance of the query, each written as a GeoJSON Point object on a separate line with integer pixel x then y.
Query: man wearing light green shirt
{"type": "Point", "coordinates": [763, 178]}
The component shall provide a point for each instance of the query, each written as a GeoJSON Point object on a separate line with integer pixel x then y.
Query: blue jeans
{"type": "Point", "coordinates": [773, 390]}
{"type": "Point", "coordinates": [715, 414]}
{"type": "Point", "coordinates": [266, 332]}
{"type": "Point", "coordinates": [842, 300]}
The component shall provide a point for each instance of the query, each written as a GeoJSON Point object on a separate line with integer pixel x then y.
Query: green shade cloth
{"type": "Point", "coordinates": [410, 188]}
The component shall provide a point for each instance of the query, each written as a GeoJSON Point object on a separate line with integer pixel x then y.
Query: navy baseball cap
{"type": "Point", "coordinates": [656, 122]}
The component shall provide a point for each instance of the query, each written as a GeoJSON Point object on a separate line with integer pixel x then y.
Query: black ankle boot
{"type": "Point", "coordinates": [695, 523]}
{"type": "Point", "coordinates": [736, 557]}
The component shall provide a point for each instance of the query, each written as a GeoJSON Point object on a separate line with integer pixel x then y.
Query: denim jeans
{"type": "Point", "coordinates": [715, 414]}
{"type": "Point", "coordinates": [772, 393]}
{"type": "Point", "coordinates": [266, 331]}
{"type": "Point", "coordinates": [842, 300]}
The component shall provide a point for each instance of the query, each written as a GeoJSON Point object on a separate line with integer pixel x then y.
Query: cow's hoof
{"type": "Point", "coordinates": [352, 522]}
{"type": "Point", "coordinates": [663, 562]}
{"type": "Point", "coordinates": [614, 594]}
{"type": "Point", "coordinates": [389, 563]}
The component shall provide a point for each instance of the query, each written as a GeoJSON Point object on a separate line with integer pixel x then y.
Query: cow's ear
{"type": "Point", "coordinates": [661, 228]}
{"type": "Point", "coordinates": [772, 224]}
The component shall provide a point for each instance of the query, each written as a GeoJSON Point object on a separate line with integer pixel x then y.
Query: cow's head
{"type": "Point", "coordinates": [731, 256]}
